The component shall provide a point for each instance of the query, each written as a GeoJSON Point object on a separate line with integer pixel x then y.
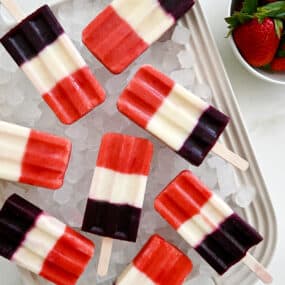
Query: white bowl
{"type": "Point", "coordinates": [273, 77]}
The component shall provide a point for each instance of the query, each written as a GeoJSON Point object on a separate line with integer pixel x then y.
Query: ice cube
{"type": "Point", "coordinates": [28, 112]}
{"type": "Point", "coordinates": [206, 270]}
{"type": "Point", "coordinates": [2, 97]}
{"type": "Point", "coordinates": [72, 216]}
{"type": "Point", "coordinates": [185, 77]}
{"type": "Point", "coordinates": [210, 180]}
{"type": "Point", "coordinates": [6, 110]}
{"type": "Point", "coordinates": [63, 195]}
{"type": "Point", "coordinates": [76, 168]}
{"type": "Point", "coordinates": [118, 256]}
{"type": "Point", "coordinates": [110, 106]}
{"type": "Point", "coordinates": [169, 63]}
{"type": "Point", "coordinates": [77, 131]}
{"type": "Point", "coordinates": [116, 123]}
{"type": "Point", "coordinates": [186, 58]}
{"type": "Point", "coordinates": [181, 35]}
{"type": "Point", "coordinates": [201, 280]}
{"type": "Point", "coordinates": [203, 91]}
{"type": "Point", "coordinates": [91, 156]}
{"type": "Point", "coordinates": [226, 180]}
{"type": "Point", "coordinates": [215, 162]}
{"type": "Point", "coordinates": [194, 256]}
{"type": "Point", "coordinates": [244, 196]}
{"type": "Point", "coordinates": [16, 99]}
{"type": "Point", "coordinates": [116, 84]}
{"type": "Point", "coordinates": [108, 279]}
{"type": "Point", "coordinates": [5, 16]}
{"type": "Point", "coordinates": [48, 119]}
{"type": "Point", "coordinates": [84, 12]}
{"type": "Point", "coordinates": [151, 221]}
{"type": "Point", "coordinates": [4, 76]}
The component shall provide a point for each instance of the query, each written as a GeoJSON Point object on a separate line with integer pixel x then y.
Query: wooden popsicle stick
{"type": "Point", "coordinates": [105, 256]}
{"type": "Point", "coordinates": [27, 277]}
{"type": "Point", "coordinates": [257, 268]}
{"type": "Point", "coordinates": [233, 158]}
{"type": "Point", "coordinates": [14, 9]}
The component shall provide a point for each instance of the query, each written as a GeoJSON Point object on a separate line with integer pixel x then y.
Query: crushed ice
{"type": "Point", "coordinates": [20, 103]}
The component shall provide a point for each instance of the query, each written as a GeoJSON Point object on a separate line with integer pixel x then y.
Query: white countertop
{"type": "Point", "coordinates": [262, 105]}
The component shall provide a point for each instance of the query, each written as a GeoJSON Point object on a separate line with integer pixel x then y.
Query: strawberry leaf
{"type": "Point", "coordinates": [237, 19]}
{"type": "Point", "coordinates": [278, 27]}
{"type": "Point", "coordinates": [274, 10]}
{"type": "Point", "coordinates": [249, 6]}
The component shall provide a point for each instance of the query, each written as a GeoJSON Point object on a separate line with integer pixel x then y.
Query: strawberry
{"type": "Point", "coordinates": [257, 30]}
{"type": "Point", "coordinates": [257, 42]}
{"type": "Point", "coordinates": [278, 64]}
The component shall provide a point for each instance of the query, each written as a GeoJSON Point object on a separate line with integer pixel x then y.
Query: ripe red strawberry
{"type": "Point", "coordinates": [257, 30]}
{"type": "Point", "coordinates": [278, 64]}
{"type": "Point", "coordinates": [257, 42]}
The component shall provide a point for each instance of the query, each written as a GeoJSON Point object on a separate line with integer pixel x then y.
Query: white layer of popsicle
{"type": "Point", "coordinates": [147, 18]}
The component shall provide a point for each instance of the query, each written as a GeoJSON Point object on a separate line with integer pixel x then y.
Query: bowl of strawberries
{"type": "Point", "coordinates": [257, 35]}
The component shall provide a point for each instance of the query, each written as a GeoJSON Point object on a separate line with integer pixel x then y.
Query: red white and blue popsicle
{"type": "Point", "coordinates": [39, 45]}
{"type": "Point", "coordinates": [118, 188]}
{"type": "Point", "coordinates": [32, 157]}
{"type": "Point", "coordinates": [126, 28]}
{"type": "Point", "coordinates": [187, 124]}
{"type": "Point", "coordinates": [41, 243]}
{"type": "Point", "coordinates": [158, 263]}
{"type": "Point", "coordinates": [208, 224]}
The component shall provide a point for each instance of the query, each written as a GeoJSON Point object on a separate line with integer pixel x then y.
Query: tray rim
{"type": "Point", "coordinates": [218, 80]}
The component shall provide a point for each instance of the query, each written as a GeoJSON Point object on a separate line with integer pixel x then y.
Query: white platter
{"type": "Point", "coordinates": [260, 214]}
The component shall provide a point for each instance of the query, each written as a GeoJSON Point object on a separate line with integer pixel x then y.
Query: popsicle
{"type": "Point", "coordinates": [42, 244]}
{"type": "Point", "coordinates": [209, 225]}
{"type": "Point", "coordinates": [32, 157]}
{"type": "Point", "coordinates": [158, 263]}
{"type": "Point", "coordinates": [117, 191]}
{"type": "Point", "coordinates": [126, 28]}
{"type": "Point", "coordinates": [187, 124]}
{"type": "Point", "coordinates": [39, 45]}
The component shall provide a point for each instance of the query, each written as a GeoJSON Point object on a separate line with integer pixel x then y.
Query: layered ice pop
{"type": "Point", "coordinates": [32, 157]}
{"type": "Point", "coordinates": [126, 28]}
{"type": "Point", "coordinates": [207, 223]}
{"type": "Point", "coordinates": [187, 124]}
{"type": "Point", "coordinates": [158, 263]}
{"type": "Point", "coordinates": [118, 187]}
{"type": "Point", "coordinates": [117, 191]}
{"type": "Point", "coordinates": [41, 243]}
{"type": "Point", "coordinates": [39, 45]}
